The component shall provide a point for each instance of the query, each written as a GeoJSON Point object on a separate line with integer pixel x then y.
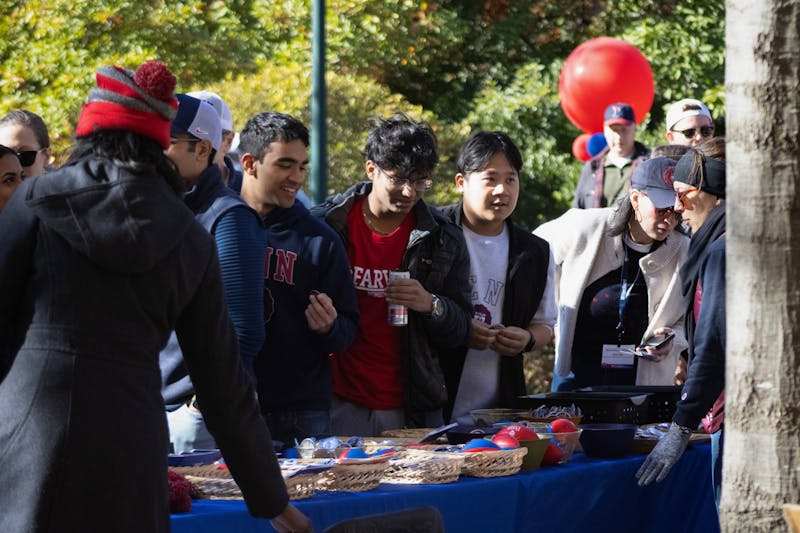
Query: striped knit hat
{"type": "Point", "coordinates": [123, 100]}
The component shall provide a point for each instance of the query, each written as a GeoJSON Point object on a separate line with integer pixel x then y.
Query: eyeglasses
{"type": "Point", "coordinates": [419, 185]}
{"type": "Point", "coordinates": [176, 140]}
{"type": "Point", "coordinates": [705, 131]}
{"type": "Point", "coordinates": [684, 198]}
{"type": "Point", "coordinates": [28, 157]}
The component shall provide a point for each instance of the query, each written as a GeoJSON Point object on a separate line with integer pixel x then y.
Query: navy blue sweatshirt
{"type": "Point", "coordinates": [293, 370]}
{"type": "Point", "coordinates": [706, 377]}
{"type": "Point", "coordinates": [240, 245]}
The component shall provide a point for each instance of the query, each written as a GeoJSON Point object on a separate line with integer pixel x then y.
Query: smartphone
{"type": "Point", "coordinates": [657, 342]}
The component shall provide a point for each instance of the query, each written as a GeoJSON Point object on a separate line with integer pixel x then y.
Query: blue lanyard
{"type": "Point", "coordinates": [624, 293]}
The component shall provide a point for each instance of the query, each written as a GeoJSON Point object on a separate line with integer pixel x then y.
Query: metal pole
{"type": "Point", "coordinates": [319, 131]}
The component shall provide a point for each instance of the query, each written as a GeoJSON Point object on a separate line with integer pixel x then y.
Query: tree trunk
{"type": "Point", "coordinates": [761, 465]}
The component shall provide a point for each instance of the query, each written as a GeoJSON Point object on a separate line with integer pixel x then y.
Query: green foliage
{"type": "Point", "coordinates": [685, 44]}
{"type": "Point", "coordinates": [439, 54]}
{"type": "Point", "coordinates": [528, 110]}
{"type": "Point", "coordinates": [462, 66]}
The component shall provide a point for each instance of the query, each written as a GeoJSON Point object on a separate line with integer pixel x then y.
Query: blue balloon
{"type": "Point", "coordinates": [596, 144]}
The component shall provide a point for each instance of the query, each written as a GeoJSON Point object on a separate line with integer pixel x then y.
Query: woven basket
{"type": "Point", "coordinates": [417, 467]}
{"type": "Point", "coordinates": [414, 434]}
{"type": "Point", "coordinates": [212, 483]}
{"type": "Point", "coordinates": [352, 477]}
{"type": "Point", "coordinates": [494, 463]}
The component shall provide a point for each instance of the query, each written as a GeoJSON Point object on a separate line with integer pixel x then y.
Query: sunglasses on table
{"type": "Point", "coordinates": [705, 131]}
{"type": "Point", "coordinates": [28, 157]}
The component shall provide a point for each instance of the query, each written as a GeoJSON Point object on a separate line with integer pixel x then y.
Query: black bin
{"type": "Point", "coordinates": [596, 407]}
{"type": "Point", "coordinates": [661, 400]}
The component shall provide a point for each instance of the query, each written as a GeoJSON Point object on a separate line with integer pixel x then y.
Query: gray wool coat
{"type": "Point", "coordinates": [98, 266]}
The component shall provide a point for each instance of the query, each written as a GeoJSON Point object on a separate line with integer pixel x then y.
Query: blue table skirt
{"type": "Point", "coordinates": [583, 495]}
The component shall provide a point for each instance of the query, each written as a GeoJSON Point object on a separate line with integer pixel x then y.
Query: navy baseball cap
{"type": "Point", "coordinates": [619, 113]}
{"type": "Point", "coordinates": [654, 178]}
{"type": "Point", "coordinates": [197, 118]}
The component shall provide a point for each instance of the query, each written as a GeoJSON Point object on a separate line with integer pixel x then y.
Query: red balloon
{"type": "Point", "coordinates": [601, 72]}
{"type": "Point", "coordinates": [579, 148]}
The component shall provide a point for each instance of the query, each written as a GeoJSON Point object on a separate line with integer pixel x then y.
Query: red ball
{"type": "Point", "coordinates": [518, 432]}
{"type": "Point", "coordinates": [505, 441]}
{"type": "Point", "coordinates": [579, 147]}
{"type": "Point", "coordinates": [600, 72]}
{"type": "Point", "coordinates": [552, 455]}
{"type": "Point", "coordinates": [562, 425]}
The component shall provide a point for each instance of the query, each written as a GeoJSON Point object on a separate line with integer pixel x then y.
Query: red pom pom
{"type": "Point", "coordinates": [179, 499]}
{"type": "Point", "coordinates": [154, 78]}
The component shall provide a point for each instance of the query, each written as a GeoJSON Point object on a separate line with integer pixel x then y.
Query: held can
{"type": "Point", "coordinates": [398, 314]}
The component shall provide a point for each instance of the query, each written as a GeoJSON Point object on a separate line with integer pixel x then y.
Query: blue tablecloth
{"type": "Point", "coordinates": [583, 495]}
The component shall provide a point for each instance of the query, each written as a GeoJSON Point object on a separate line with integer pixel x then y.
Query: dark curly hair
{"type": "Point", "coordinates": [129, 150]}
{"type": "Point", "coordinates": [402, 145]}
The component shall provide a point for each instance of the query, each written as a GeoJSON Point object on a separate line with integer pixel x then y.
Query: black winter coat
{"type": "Point", "coordinates": [98, 266]}
{"type": "Point", "coordinates": [436, 256]}
{"type": "Point", "coordinates": [526, 279]}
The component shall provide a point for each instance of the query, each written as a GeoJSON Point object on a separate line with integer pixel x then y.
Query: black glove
{"type": "Point", "coordinates": [664, 456]}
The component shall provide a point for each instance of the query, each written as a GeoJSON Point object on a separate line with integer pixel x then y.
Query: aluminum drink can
{"type": "Point", "coordinates": [398, 314]}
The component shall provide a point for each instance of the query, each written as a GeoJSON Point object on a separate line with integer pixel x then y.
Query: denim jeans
{"type": "Point", "coordinates": [717, 442]}
{"type": "Point", "coordinates": [286, 426]}
{"type": "Point", "coordinates": [187, 431]}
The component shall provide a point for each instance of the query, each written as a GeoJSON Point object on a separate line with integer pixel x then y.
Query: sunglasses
{"type": "Point", "coordinates": [28, 157]}
{"type": "Point", "coordinates": [684, 198]}
{"type": "Point", "coordinates": [661, 212]}
{"type": "Point", "coordinates": [705, 131]}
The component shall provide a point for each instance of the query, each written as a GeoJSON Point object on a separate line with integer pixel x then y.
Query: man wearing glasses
{"type": "Point", "coordinates": [195, 136]}
{"type": "Point", "coordinates": [689, 122]}
{"type": "Point", "coordinates": [26, 133]}
{"type": "Point", "coordinates": [390, 376]}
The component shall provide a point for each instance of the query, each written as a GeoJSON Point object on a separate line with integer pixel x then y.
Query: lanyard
{"type": "Point", "coordinates": [624, 293]}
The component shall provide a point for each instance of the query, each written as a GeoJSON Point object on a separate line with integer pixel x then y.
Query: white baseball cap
{"type": "Point", "coordinates": [219, 105]}
{"type": "Point", "coordinates": [198, 119]}
{"type": "Point", "coordinates": [688, 107]}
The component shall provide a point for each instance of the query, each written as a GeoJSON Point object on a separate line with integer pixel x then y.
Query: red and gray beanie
{"type": "Point", "coordinates": [140, 101]}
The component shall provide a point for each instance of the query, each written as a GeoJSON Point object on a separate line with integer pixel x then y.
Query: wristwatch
{"type": "Point", "coordinates": [437, 307]}
{"type": "Point", "coordinates": [531, 344]}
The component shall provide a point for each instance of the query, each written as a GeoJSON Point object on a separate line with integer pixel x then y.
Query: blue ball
{"type": "Point", "coordinates": [480, 443]}
{"type": "Point", "coordinates": [596, 144]}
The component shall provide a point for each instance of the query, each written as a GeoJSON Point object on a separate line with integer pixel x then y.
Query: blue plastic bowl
{"type": "Point", "coordinates": [607, 440]}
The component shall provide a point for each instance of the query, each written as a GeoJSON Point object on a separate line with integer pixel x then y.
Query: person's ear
{"type": "Point", "coordinates": [459, 181]}
{"type": "Point", "coordinates": [371, 169]}
{"type": "Point", "coordinates": [634, 196]}
{"type": "Point", "coordinates": [248, 162]}
{"type": "Point", "coordinates": [203, 149]}
{"type": "Point", "coordinates": [670, 137]}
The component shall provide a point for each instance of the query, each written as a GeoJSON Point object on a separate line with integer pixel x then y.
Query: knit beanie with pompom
{"type": "Point", "coordinates": [140, 101]}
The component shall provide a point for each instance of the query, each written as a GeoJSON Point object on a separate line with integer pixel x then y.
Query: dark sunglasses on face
{"type": "Point", "coordinates": [664, 211]}
{"type": "Point", "coordinates": [705, 131]}
{"type": "Point", "coordinates": [28, 157]}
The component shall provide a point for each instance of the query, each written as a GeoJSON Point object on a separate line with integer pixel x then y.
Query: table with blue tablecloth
{"type": "Point", "coordinates": [585, 494]}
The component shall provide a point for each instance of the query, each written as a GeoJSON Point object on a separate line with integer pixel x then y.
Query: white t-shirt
{"type": "Point", "coordinates": [488, 256]}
